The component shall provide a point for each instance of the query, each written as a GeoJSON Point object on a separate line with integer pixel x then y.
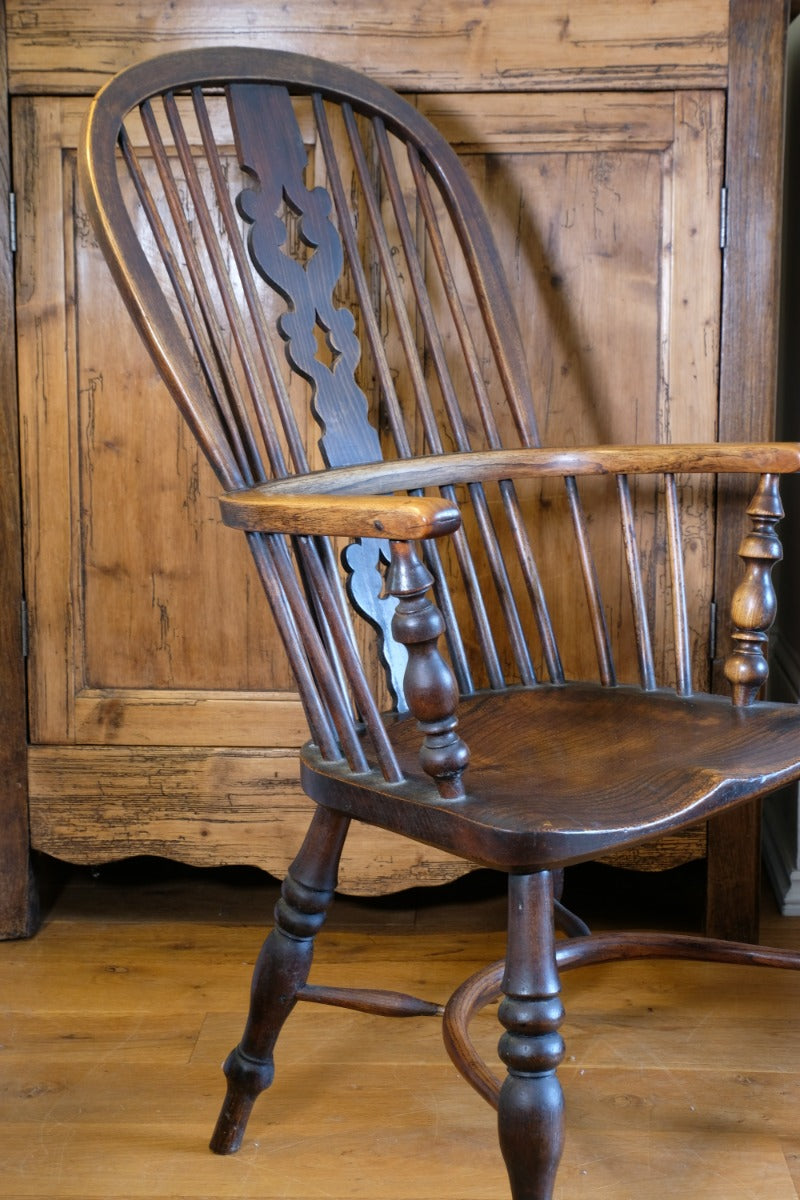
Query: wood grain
{"type": "Point", "coordinates": [206, 807]}
{"type": "Point", "coordinates": [697, 759]}
{"type": "Point", "coordinates": [404, 518]}
{"type": "Point", "coordinates": [17, 897]}
{"type": "Point", "coordinates": [679, 1078]}
{"type": "Point", "coordinates": [438, 470]}
{"type": "Point", "coordinates": [42, 280]}
{"type": "Point", "coordinates": [66, 47]}
{"type": "Point", "coordinates": [751, 265]}
{"type": "Point", "coordinates": [130, 716]}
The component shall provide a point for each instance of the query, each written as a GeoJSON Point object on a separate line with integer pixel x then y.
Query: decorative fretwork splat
{"type": "Point", "coordinates": [319, 337]}
{"type": "Point", "coordinates": [271, 149]}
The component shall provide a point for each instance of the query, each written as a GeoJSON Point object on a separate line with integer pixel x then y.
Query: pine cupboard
{"type": "Point", "coordinates": [630, 155]}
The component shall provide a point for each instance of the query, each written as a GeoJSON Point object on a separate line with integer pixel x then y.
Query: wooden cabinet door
{"type": "Point", "coordinates": [605, 209]}
{"type": "Point", "coordinates": [161, 707]}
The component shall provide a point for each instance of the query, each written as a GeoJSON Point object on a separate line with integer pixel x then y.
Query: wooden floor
{"type": "Point", "coordinates": [680, 1080]}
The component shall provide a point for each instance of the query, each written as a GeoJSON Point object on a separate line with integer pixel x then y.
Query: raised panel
{"type": "Point", "coordinates": [124, 548]}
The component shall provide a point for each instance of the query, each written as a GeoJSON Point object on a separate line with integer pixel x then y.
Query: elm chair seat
{"type": "Point", "coordinates": [533, 814]}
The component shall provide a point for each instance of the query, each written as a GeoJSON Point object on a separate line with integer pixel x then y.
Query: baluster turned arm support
{"type": "Point", "coordinates": [429, 685]}
{"type": "Point", "coordinates": [754, 603]}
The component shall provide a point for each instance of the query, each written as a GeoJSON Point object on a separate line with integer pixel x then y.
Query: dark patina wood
{"type": "Point", "coordinates": [281, 972]}
{"type": "Point", "coordinates": [754, 603]}
{"type": "Point", "coordinates": [503, 750]}
{"type": "Point", "coordinates": [429, 686]}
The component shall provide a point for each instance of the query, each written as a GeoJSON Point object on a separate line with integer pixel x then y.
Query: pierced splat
{"type": "Point", "coordinates": [278, 164]}
{"type": "Point", "coordinates": [326, 351]}
{"type": "Point", "coordinates": [319, 337]}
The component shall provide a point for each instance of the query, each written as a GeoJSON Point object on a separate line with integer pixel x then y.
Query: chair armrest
{"type": "Point", "coordinates": [399, 518]}
{"type": "Point", "coordinates": [442, 470]}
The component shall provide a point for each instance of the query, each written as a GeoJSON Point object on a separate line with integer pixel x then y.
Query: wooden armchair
{"type": "Point", "coordinates": [520, 686]}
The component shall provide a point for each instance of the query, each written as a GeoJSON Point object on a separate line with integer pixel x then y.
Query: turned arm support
{"type": "Point", "coordinates": [754, 604]}
{"type": "Point", "coordinates": [429, 685]}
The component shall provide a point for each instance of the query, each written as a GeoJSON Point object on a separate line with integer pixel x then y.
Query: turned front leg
{"type": "Point", "coordinates": [531, 1107]}
{"type": "Point", "coordinates": [281, 971]}
{"type": "Point", "coordinates": [428, 684]}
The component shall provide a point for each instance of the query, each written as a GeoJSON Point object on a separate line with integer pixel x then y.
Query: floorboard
{"type": "Point", "coordinates": [680, 1079]}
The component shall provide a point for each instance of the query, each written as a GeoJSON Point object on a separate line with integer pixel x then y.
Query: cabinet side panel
{"type": "Point", "coordinates": [16, 898]}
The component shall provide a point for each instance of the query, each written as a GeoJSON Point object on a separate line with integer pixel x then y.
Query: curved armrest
{"type": "Point", "coordinates": [399, 518]}
{"type": "Point", "coordinates": [442, 470]}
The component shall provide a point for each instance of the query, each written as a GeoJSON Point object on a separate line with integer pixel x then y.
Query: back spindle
{"type": "Point", "coordinates": [641, 623]}
{"type": "Point", "coordinates": [591, 585]}
{"type": "Point", "coordinates": [683, 665]}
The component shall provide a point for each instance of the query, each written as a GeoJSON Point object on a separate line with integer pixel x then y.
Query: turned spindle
{"type": "Point", "coordinates": [428, 684]}
{"type": "Point", "coordinates": [754, 603]}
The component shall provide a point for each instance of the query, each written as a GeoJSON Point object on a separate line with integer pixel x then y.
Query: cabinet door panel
{"type": "Point", "coordinates": [606, 214]}
{"type": "Point", "coordinates": [605, 209]}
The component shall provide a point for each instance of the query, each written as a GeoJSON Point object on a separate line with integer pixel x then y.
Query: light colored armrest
{"type": "Point", "coordinates": [399, 518]}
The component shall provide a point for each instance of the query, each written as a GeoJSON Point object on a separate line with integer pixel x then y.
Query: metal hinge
{"type": "Point", "coordinates": [712, 632]}
{"type": "Point", "coordinates": [723, 218]}
{"type": "Point", "coordinates": [23, 620]}
{"type": "Point", "coordinates": [12, 221]}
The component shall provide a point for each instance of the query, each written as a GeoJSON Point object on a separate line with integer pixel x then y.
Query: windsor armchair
{"type": "Point", "coordinates": [309, 266]}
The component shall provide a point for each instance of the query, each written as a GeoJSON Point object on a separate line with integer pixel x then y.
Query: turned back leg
{"type": "Point", "coordinates": [280, 972]}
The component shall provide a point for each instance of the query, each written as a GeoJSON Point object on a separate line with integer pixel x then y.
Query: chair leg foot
{"type": "Point", "coordinates": [235, 1112]}
{"type": "Point", "coordinates": [281, 971]}
{"type": "Point", "coordinates": [531, 1122]}
{"type": "Point", "coordinates": [531, 1105]}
